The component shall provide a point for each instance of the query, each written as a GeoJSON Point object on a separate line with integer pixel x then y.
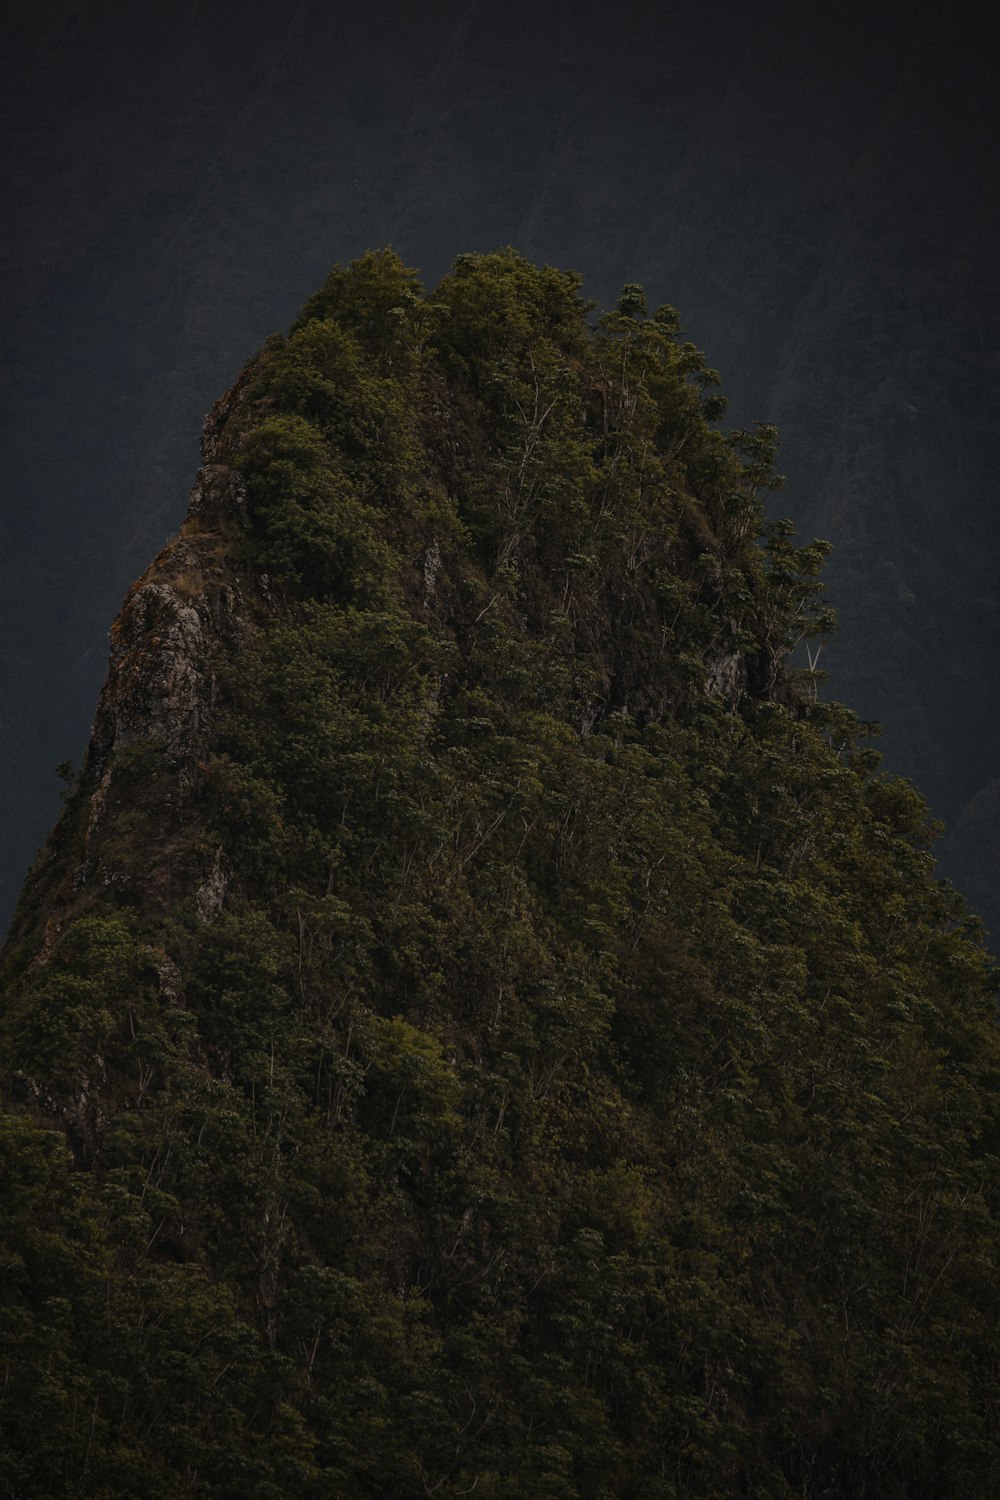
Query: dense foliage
{"type": "Point", "coordinates": [580, 1086]}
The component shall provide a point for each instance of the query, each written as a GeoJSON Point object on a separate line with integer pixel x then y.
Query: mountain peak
{"type": "Point", "coordinates": [481, 1022]}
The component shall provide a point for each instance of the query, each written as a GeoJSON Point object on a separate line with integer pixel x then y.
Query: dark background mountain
{"type": "Point", "coordinates": [814, 187]}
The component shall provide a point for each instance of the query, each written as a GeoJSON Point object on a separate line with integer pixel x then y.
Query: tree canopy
{"type": "Point", "coordinates": [514, 1041]}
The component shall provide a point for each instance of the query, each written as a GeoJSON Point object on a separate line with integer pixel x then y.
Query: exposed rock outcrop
{"type": "Point", "coordinates": [153, 727]}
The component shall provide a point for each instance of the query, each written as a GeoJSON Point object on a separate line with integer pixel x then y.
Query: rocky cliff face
{"type": "Point", "coordinates": [187, 616]}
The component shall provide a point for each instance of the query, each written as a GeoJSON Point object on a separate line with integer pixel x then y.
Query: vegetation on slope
{"type": "Point", "coordinates": [516, 1043]}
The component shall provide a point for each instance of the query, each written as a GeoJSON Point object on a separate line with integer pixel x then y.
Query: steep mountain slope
{"type": "Point", "coordinates": [480, 1023]}
{"type": "Point", "coordinates": [817, 188]}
